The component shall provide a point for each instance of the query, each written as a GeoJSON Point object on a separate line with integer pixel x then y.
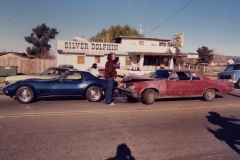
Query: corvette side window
{"type": "Point", "coordinates": [55, 72]}
{"type": "Point", "coordinates": [73, 77]}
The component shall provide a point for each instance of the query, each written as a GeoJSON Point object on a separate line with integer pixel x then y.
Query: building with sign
{"type": "Point", "coordinates": [137, 52]}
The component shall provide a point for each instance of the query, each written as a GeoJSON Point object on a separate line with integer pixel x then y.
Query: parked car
{"type": "Point", "coordinates": [71, 83]}
{"type": "Point", "coordinates": [167, 83]}
{"type": "Point", "coordinates": [123, 72]}
{"type": "Point", "coordinates": [47, 74]}
{"type": "Point", "coordinates": [232, 74]}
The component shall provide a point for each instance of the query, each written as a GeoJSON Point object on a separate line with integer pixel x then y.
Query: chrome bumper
{"type": "Point", "coordinates": [228, 80]}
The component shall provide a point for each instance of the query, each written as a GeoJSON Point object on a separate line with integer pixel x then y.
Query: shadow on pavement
{"type": "Point", "coordinates": [184, 98]}
{"type": "Point", "coordinates": [123, 153]}
{"type": "Point", "coordinates": [62, 98]}
{"type": "Point", "coordinates": [229, 131]}
{"type": "Point", "coordinates": [234, 95]}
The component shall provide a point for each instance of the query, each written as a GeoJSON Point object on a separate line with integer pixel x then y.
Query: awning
{"type": "Point", "coordinates": [159, 54]}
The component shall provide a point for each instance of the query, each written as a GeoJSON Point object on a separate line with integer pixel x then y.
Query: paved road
{"type": "Point", "coordinates": [76, 129]}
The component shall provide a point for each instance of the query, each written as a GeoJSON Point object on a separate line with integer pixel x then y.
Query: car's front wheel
{"type": "Point", "coordinates": [209, 95]}
{"type": "Point", "coordinates": [148, 96]}
{"type": "Point", "coordinates": [94, 94]}
{"type": "Point", "coordinates": [24, 94]}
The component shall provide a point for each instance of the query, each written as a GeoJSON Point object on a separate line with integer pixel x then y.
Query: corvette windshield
{"type": "Point", "coordinates": [232, 67]}
{"type": "Point", "coordinates": [162, 74]}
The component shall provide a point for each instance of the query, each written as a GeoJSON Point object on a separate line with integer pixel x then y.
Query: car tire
{"type": "Point", "coordinates": [148, 96]}
{"type": "Point", "coordinates": [131, 99]}
{"type": "Point", "coordinates": [209, 95]}
{"type": "Point", "coordinates": [94, 94]}
{"type": "Point", "coordinates": [25, 94]}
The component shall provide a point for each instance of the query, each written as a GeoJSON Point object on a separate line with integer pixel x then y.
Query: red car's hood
{"type": "Point", "coordinates": [135, 78]}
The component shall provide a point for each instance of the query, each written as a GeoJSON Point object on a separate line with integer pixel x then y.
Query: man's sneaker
{"type": "Point", "coordinates": [111, 104]}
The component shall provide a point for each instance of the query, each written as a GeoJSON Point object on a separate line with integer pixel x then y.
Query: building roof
{"type": "Point", "coordinates": [22, 55]}
{"type": "Point", "coordinates": [141, 38]}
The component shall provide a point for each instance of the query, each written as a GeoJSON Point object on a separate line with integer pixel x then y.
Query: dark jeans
{"type": "Point", "coordinates": [109, 91]}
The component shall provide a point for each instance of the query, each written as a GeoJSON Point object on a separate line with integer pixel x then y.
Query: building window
{"type": "Point", "coordinates": [128, 61]}
{"type": "Point", "coordinates": [81, 60]}
{"type": "Point", "coordinates": [162, 44]}
{"type": "Point", "coordinates": [141, 42]}
{"type": "Point", "coordinates": [97, 59]}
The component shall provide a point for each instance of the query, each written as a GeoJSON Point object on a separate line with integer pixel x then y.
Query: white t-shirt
{"type": "Point", "coordinates": [95, 72]}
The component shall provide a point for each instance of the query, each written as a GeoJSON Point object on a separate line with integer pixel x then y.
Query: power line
{"type": "Point", "coordinates": [170, 17]}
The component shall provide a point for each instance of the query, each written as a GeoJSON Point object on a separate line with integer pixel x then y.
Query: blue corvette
{"type": "Point", "coordinates": [71, 83]}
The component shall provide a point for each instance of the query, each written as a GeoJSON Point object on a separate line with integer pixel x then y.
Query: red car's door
{"type": "Point", "coordinates": [198, 84]}
{"type": "Point", "coordinates": [180, 84]}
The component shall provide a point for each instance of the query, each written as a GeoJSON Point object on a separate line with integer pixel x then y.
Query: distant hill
{"type": "Point", "coordinates": [233, 57]}
{"type": "Point", "coordinates": [236, 59]}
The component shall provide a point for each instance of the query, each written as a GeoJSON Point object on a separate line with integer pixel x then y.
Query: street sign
{"type": "Point", "coordinates": [178, 40]}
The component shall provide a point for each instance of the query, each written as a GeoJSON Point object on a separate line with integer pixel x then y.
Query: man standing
{"type": "Point", "coordinates": [162, 66]}
{"type": "Point", "coordinates": [110, 74]}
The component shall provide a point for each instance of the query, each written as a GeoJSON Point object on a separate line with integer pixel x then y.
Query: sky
{"type": "Point", "coordinates": [211, 23]}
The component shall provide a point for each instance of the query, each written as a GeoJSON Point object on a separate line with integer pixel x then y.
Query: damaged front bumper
{"type": "Point", "coordinates": [128, 92]}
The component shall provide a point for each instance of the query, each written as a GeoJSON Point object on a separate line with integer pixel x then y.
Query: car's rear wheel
{"type": "Point", "coordinates": [209, 95]}
{"type": "Point", "coordinates": [25, 94]}
{"type": "Point", "coordinates": [148, 96]}
{"type": "Point", "coordinates": [94, 94]}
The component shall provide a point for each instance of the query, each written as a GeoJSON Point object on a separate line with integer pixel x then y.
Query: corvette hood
{"type": "Point", "coordinates": [38, 80]}
{"type": "Point", "coordinates": [136, 78]}
{"type": "Point", "coordinates": [21, 77]}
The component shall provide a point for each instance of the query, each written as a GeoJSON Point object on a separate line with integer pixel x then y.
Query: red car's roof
{"type": "Point", "coordinates": [203, 77]}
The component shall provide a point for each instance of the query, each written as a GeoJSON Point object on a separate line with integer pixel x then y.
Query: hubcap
{"type": "Point", "coordinates": [25, 95]}
{"type": "Point", "coordinates": [94, 94]}
{"type": "Point", "coordinates": [151, 96]}
{"type": "Point", "coordinates": [210, 94]}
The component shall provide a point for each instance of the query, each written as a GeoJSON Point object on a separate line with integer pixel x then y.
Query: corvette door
{"type": "Point", "coordinates": [72, 84]}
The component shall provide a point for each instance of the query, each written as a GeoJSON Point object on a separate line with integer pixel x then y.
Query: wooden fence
{"type": "Point", "coordinates": [28, 66]}
{"type": "Point", "coordinates": [206, 69]}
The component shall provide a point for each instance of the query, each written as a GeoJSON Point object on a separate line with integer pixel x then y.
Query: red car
{"type": "Point", "coordinates": [167, 83]}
